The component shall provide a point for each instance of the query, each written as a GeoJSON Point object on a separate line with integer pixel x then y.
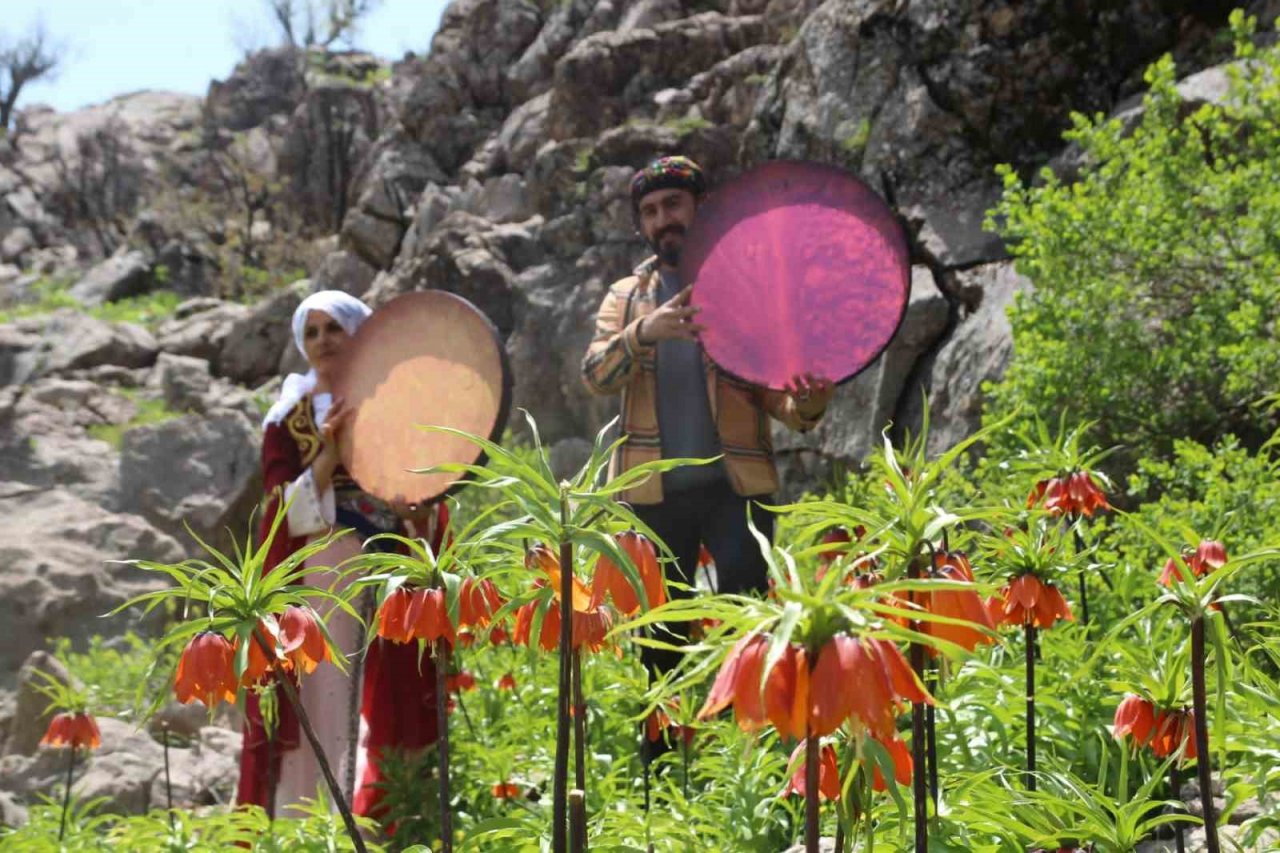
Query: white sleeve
{"type": "Point", "coordinates": [309, 511]}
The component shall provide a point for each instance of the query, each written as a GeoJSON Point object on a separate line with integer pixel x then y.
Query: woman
{"type": "Point", "coordinates": [394, 707]}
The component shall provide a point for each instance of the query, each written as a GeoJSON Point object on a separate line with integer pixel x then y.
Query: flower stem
{"type": "Point", "coordinates": [932, 745]}
{"type": "Point", "coordinates": [812, 747]}
{"type": "Point", "coordinates": [66, 797]}
{"type": "Point", "coordinates": [304, 722]}
{"type": "Point", "coordinates": [1204, 767]}
{"type": "Point", "coordinates": [168, 785]}
{"type": "Point", "coordinates": [579, 726]}
{"type": "Point", "coordinates": [1176, 784]}
{"type": "Point", "coordinates": [441, 654]}
{"type": "Point", "coordinates": [578, 820]}
{"type": "Point", "coordinates": [918, 737]}
{"type": "Point", "coordinates": [1030, 630]}
{"type": "Point", "coordinates": [560, 796]}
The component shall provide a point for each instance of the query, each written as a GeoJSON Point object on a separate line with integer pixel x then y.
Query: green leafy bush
{"type": "Point", "coordinates": [1155, 310]}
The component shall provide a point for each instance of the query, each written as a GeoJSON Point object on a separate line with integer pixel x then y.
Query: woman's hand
{"type": "Point", "coordinates": [810, 393]}
{"type": "Point", "coordinates": [327, 460]}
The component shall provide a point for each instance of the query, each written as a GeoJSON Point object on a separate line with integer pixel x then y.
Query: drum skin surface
{"type": "Point", "coordinates": [424, 358]}
{"type": "Point", "coordinates": [797, 268]}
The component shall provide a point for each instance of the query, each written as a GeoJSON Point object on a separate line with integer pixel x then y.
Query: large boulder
{"type": "Point", "coordinates": [266, 83]}
{"type": "Point", "coordinates": [197, 471]}
{"type": "Point", "coordinates": [56, 578]}
{"type": "Point", "coordinates": [252, 347]}
{"type": "Point", "coordinates": [200, 328]}
{"type": "Point", "coordinates": [122, 275]}
{"type": "Point", "coordinates": [977, 352]}
{"type": "Point", "coordinates": [70, 340]}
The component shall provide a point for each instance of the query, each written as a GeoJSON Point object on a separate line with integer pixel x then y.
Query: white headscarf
{"type": "Point", "coordinates": [350, 314]}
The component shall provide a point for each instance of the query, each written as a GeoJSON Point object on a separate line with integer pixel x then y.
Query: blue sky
{"type": "Point", "coordinates": [118, 46]}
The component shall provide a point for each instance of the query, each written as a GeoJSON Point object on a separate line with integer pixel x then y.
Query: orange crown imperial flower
{"type": "Point", "coordinates": [1075, 494]}
{"type": "Point", "coordinates": [609, 580]}
{"type": "Point", "coordinates": [302, 638]}
{"type": "Point", "coordinates": [206, 670]}
{"type": "Point", "coordinates": [1209, 555]}
{"type": "Point", "coordinates": [957, 604]}
{"type": "Point", "coordinates": [478, 601]}
{"type": "Point", "coordinates": [828, 773]}
{"type": "Point", "coordinates": [1134, 716]}
{"type": "Point", "coordinates": [75, 730]}
{"type": "Point", "coordinates": [902, 764]}
{"type": "Point", "coordinates": [1029, 601]}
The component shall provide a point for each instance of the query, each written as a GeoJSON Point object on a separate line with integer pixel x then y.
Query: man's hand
{"type": "Point", "coordinates": [671, 321]}
{"type": "Point", "coordinates": [811, 394]}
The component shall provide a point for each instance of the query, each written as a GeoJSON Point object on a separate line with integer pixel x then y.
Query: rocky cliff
{"type": "Point", "coordinates": [496, 167]}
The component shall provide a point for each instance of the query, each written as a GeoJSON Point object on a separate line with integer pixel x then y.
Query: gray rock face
{"type": "Point", "coordinates": [211, 477]}
{"type": "Point", "coordinates": [252, 347]}
{"type": "Point", "coordinates": [976, 352]}
{"type": "Point", "coordinates": [267, 83]}
{"type": "Point", "coordinates": [54, 576]}
{"type": "Point", "coordinates": [201, 329]}
{"type": "Point", "coordinates": [119, 276]}
{"type": "Point", "coordinates": [345, 271]}
{"type": "Point", "coordinates": [72, 341]}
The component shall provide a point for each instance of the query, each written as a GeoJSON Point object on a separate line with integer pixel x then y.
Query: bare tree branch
{"type": "Point", "coordinates": [300, 21]}
{"type": "Point", "coordinates": [29, 58]}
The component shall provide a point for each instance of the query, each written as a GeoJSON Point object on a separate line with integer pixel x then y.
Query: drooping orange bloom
{"type": "Point", "coordinates": [610, 581]}
{"type": "Point", "coordinates": [902, 764]}
{"type": "Point", "coordinates": [838, 542]}
{"type": "Point", "coordinates": [465, 639]}
{"type": "Point", "coordinates": [1173, 728]}
{"type": "Point", "coordinates": [498, 635]}
{"type": "Point", "coordinates": [505, 790]}
{"type": "Point", "coordinates": [427, 616]}
{"type": "Point", "coordinates": [786, 693]}
{"type": "Point", "coordinates": [507, 682]}
{"type": "Point", "coordinates": [74, 730]}
{"type": "Point", "coordinates": [1209, 555]}
{"type": "Point", "coordinates": [460, 682]}
{"type": "Point", "coordinates": [206, 670]}
{"type": "Point", "coordinates": [956, 604]}
{"type": "Point", "coordinates": [739, 683]}
{"type": "Point", "coordinates": [1074, 494]}
{"type": "Point", "coordinates": [828, 773]}
{"type": "Point", "coordinates": [477, 602]}
{"type": "Point", "coordinates": [393, 623]}
{"type": "Point", "coordinates": [1134, 716]}
{"type": "Point", "coordinates": [588, 631]}
{"type": "Point", "coordinates": [302, 638]}
{"type": "Point", "coordinates": [1029, 601]}
{"type": "Point", "coordinates": [864, 678]}
{"type": "Point", "coordinates": [258, 663]}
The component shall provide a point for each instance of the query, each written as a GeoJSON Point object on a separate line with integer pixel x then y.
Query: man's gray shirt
{"type": "Point", "coordinates": [684, 410]}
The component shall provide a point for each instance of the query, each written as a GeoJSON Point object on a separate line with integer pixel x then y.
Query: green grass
{"type": "Point", "coordinates": [52, 294]}
{"type": "Point", "coordinates": [151, 411]}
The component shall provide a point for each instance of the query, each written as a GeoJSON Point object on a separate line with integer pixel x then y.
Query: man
{"type": "Point", "coordinates": [677, 404]}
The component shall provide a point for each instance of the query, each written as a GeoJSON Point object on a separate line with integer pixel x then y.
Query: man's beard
{"type": "Point", "coordinates": [669, 253]}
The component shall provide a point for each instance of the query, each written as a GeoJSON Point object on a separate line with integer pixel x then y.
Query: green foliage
{"type": "Point", "coordinates": [313, 830]}
{"type": "Point", "coordinates": [148, 310]}
{"type": "Point", "coordinates": [116, 674]}
{"type": "Point", "coordinates": [685, 125]}
{"type": "Point", "coordinates": [149, 411]}
{"type": "Point", "coordinates": [1155, 310]}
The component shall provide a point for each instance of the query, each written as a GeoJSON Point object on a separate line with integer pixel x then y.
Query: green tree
{"type": "Point", "coordinates": [1156, 309]}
